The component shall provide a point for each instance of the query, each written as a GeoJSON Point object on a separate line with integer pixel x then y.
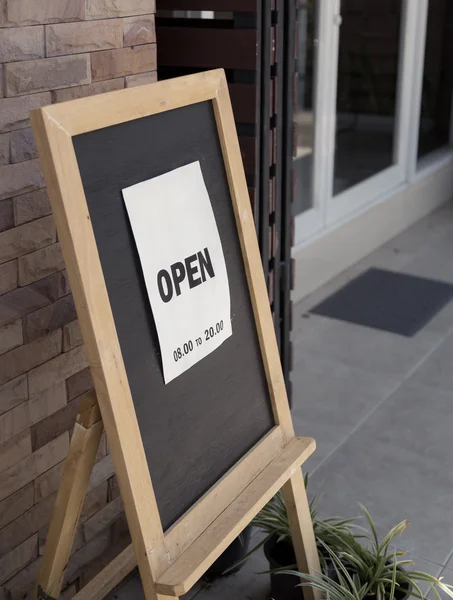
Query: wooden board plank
{"type": "Point", "coordinates": [207, 48]}
{"type": "Point", "coordinates": [112, 108]}
{"type": "Point", "coordinates": [191, 565]}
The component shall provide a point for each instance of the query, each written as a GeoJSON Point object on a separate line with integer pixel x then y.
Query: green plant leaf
{"type": "Point", "coordinates": [372, 526]}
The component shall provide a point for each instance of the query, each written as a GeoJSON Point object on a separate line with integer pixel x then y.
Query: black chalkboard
{"type": "Point", "coordinates": [200, 424]}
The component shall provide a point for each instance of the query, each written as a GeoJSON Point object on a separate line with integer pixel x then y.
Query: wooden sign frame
{"type": "Point", "coordinates": [170, 562]}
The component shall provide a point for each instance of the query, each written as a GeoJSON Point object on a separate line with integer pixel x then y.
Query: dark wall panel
{"type": "Point", "coordinates": [207, 48]}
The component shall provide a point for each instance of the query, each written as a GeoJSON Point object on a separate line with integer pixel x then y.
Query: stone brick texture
{"type": "Point", "coordinates": [51, 51]}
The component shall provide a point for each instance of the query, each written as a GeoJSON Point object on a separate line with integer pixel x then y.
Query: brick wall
{"type": "Point", "coordinates": [51, 51]}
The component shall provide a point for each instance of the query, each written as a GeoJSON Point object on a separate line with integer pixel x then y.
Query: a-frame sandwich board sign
{"type": "Point", "coordinates": [197, 455]}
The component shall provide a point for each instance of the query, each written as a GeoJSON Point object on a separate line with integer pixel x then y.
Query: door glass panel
{"type": "Point", "coordinates": [435, 117]}
{"type": "Point", "coordinates": [304, 114]}
{"type": "Point", "coordinates": [368, 57]}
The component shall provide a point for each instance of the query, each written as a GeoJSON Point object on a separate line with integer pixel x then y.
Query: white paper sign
{"type": "Point", "coordinates": [183, 264]}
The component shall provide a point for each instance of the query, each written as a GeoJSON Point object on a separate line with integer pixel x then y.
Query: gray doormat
{"type": "Point", "coordinates": [394, 302]}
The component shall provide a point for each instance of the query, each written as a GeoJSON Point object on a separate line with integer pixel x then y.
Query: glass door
{"type": "Point", "coordinates": [372, 104]}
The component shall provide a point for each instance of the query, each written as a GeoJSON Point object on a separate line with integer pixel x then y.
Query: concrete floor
{"type": "Point", "coordinates": [381, 409]}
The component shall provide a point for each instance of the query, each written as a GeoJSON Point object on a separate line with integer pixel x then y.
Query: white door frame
{"type": "Point", "coordinates": [441, 157]}
{"type": "Point", "coordinates": [312, 220]}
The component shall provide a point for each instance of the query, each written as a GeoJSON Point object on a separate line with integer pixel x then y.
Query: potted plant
{"type": "Point", "coordinates": [378, 565]}
{"type": "Point", "coordinates": [278, 548]}
{"type": "Point", "coordinates": [369, 561]}
{"type": "Point", "coordinates": [343, 586]}
{"type": "Point", "coordinates": [373, 570]}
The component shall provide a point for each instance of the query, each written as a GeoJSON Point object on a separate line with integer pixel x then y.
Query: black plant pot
{"type": "Point", "coordinates": [281, 555]}
{"type": "Point", "coordinates": [233, 554]}
{"type": "Point", "coordinates": [401, 593]}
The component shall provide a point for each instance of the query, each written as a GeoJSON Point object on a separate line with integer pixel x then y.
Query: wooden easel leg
{"type": "Point", "coordinates": [302, 533]}
{"type": "Point", "coordinates": [68, 504]}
